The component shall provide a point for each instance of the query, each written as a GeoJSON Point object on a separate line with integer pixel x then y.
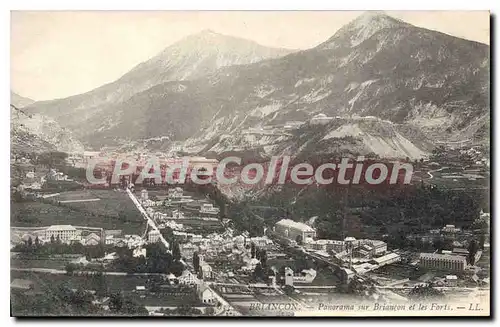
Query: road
{"type": "Point", "coordinates": [147, 218]}
{"type": "Point", "coordinates": [151, 223]}
{"type": "Point", "coordinates": [443, 288]}
{"type": "Point", "coordinates": [62, 272]}
{"type": "Point", "coordinates": [225, 305]}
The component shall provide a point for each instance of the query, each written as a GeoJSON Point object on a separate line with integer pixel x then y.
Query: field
{"type": "Point", "coordinates": [114, 210]}
{"type": "Point", "coordinates": [456, 178]}
{"type": "Point", "coordinates": [58, 264]}
{"type": "Point", "coordinates": [205, 226]}
{"type": "Point", "coordinates": [116, 284]}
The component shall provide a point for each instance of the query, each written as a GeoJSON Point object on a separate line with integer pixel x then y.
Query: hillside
{"type": "Point", "coordinates": [19, 101]}
{"type": "Point", "coordinates": [426, 82]}
{"type": "Point", "coordinates": [37, 133]}
{"type": "Point", "coordinates": [374, 66]}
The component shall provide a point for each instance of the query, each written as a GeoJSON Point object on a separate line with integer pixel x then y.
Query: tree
{"type": "Point", "coordinates": [259, 272]}
{"type": "Point", "coordinates": [209, 311]}
{"type": "Point", "coordinates": [100, 284]}
{"type": "Point", "coordinates": [252, 250]}
{"type": "Point", "coordinates": [471, 257]}
{"type": "Point", "coordinates": [482, 240]}
{"type": "Point", "coordinates": [115, 302]}
{"type": "Point", "coordinates": [263, 257]}
{"type": "Point", "coordinates": [257, 253]}
{"type": "Point", "coordinates": [288, 289]}
{"type": "Point", "coordinates": [196, 261]}
{"type": "Point", "coordinates": [176, 251]}
{"type": "Point", "coordinates": [37, 242]}
{"type": "Point", "coordinates": [58, 239]}
{"type": "Point", "coordinates": [122, 217]}
{"type": "Point", "coordinates": [422, 292]}
{"type": "Point", "coordinates": [70, 269]}
{"type": "Point", "coordinates": [438, 243]}
{"type": "Point", "coordinates": [298, 239]}
{"type": "Point", "coordinates": [186, 310]}
{"type": "Point", "coordinates": [30, 242]}
{"type": "Point", "coordinates": [52, 239]}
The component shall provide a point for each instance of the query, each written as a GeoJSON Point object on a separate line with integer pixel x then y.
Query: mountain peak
{"type": "Point", "coordinates": [373, 14]}
{"type": "Point", "coordinates": [362, 28]}
{"type": "Point", "coordinates": [375, 17]}
{"type": "Point", "coordinates": [208, 31]}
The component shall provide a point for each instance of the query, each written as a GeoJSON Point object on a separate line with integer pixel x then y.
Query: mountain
{"type": "Point", "coordinates": [19, 101]}
{"type": "Point", "coordinates": [421, 86]}
{"type": "Point", "coordinates": [192, 57]}
{"type": "Point", "coordinates": [376, 66]}
{"type": "Point", "coordinates": [369, 136]}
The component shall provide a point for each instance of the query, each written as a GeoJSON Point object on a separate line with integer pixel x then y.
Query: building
{"type": "Point", "coordinates": [110, 239]}
{"type": "Point", "coordinates": [206, 270]}
{"type": "Point", "coordinates": [251, 263]}
{"type": "Point", "coordinates": [144, 195]}
{"type": "Point", "coordinates": [293, 230]}
{"type": "Point", "coordinates": [460, 251]}
{"type": "Point", "coordinates": [451, 280]}
{"type": "Point", "coordinates": [443, 261]}
{"type": "Point", "coordinates": [188, 249]}
{"type": "Point", "coordinates": [139, 252]}
{"type": "Point", "coordinates": [345, 274]}
{"type": "Point", "coordinates": [187, 278]}
{"type": "Point", "coordinates": [305, 276]}
{"type": "Point", "coordinates": [90, 155]}
{"type": "Point", "coordinates": [209, 208]}
{"type": "Point", "coordinates": [110, 257]}
{"type": "Point", "coordinates": [153, 236]}
{"type": "Point", "coordinates": [364, 267]}
{"type": "Point", "coordinates": [261, 241]}
{"type": "Point", "coordinates": [349, 248]}
{"type": "Point", "coordinates": [320, 119]}
{"type": "Point", "coordinates": [172, 279]}
{"type": "Point", "coordinates": [377, 247]}
{"type": "Point", "coordinates": [325, 245]}
{"type": "Point", "coordinates": [65, 232]}
{"type": "Point", "coordinates": [288, 276]}
{"type": "Point", "coordinates": [293, 125]}
{"type": "Point", "coordinates": [174, 193]}
{"type": "Point", "coordinates": [134, 241]}
{"type": "Point", "coordinates": [206, 294]}
{"type": "Point", "coordinates": [91, 239]}
{"type": "Point", "coordinates": [450, 229]}
{"type": "Point", "coordinates": [56, 176]}
{"type": "Point", "coordinates": [387, 259]}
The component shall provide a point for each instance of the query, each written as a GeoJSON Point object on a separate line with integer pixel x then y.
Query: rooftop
{"type": "Point", "coordinates": [386, 257]}
{"type": "Point", "coordinates": [293, 224]}
{"type": "Point", "coordinates": [442, 256]}
{"type": "Point", "coordinates": [61, 227]}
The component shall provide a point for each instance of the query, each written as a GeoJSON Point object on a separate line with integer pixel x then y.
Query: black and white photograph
{"type": "Point", "coordinates": [250, 163]}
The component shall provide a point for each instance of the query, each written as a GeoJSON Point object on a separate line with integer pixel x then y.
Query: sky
{"type": "Point", "coordinates": [62, 53]}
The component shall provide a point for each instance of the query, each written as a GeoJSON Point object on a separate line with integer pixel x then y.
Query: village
{"type": "Point", "coordinates": [213, 267]}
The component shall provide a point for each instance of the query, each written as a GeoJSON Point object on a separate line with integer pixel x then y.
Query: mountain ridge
{"type": "Point", "coordinates": [175, 62]}
{"type": "Point", "coordinates": [19, 101]}
{"type": "Point", "coordinates": [374, 66]}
